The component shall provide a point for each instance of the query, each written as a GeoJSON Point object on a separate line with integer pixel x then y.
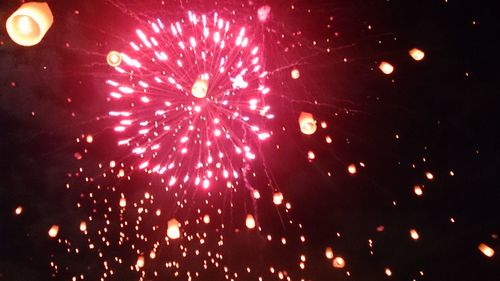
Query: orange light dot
{"type": "Point", "coordinates": [18, 210]}
{"type": "Point", "coordinates": [295, 73]}
{"type": "Point", "coordinates": [386, 67]}
{"type": "Point", "coordinates": [123, 202]}
{"type": "Point", "coordinates": [429, 176]}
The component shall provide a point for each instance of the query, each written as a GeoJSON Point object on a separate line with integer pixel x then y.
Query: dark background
{"type": "Point", "coordinates": [443, 109]}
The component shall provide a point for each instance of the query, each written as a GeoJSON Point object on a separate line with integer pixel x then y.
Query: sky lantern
{"type": "Point", "coordinates": [250, 222]}
{"type": "Point", "coordinates": [29, 23]}
{"type": "Point", "coordinates": [173, 231]}
{"type": "Point", "coordinates": [114, 58]}
{"type": "Point", "coordinates": [83, 226]}
{"type": "Point", "coordinates": [200, 88]}
{"type": "Point", "coordinates": [140, 262]}
{"type": "Point", "coordinates": [329, 253]}
{"type": "Point", "coordinates": [352, 169]}
{"type": "Point", "coordinates": [386, 67]}
{"type": "Point", "coordinates": [307, 123]}
{"type": "Point", "coordinates": [295, 73]}
{"type": "Point", "coordinates": [206, 219]}
{"type": "Point", "coordinates": [417, 54]}
{"type": "Point", "coordinates": [278, 198]}
{"type": "Point", "coordinates": [18, 210]}
{"type": "Point", "coordinates": [418, 190]}
{"type": "Point", "coordinates": [414, 234]}
{"type": "Point", "coordinates": [338, 262]}
{"type": "Point", "coordinates": [263, 13]}
{"type": "Point", "coordinates": [53, 231]}
{"type": "Point", "coordinates": [486, 250]}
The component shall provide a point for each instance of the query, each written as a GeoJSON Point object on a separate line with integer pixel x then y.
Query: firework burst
{"type": "Point", "coordinates": [189, 99]}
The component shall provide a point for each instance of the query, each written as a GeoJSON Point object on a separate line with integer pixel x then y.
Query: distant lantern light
{"type": "Point", "coordinates": [429, 176]}
{"type": "Point", "coordinates": [278, 198]}
{"type": "Point", "coordinates": [140, 261]}
{"type": "Point", "coordinates": [307, 123]}
{"type": "Point", "coordinates": [250, 222]}
{"type": "Point", "coordinates": [417, 54]}
{"type": "Point", "coordinates": [263, 13]}
{"type": "Point", "coordinates": [53, 231]}
{"type": "Point", "coordinates": [114, 58]}
{"type": "Point", "coordinates": [173, 231]}
{"type": "Point", "coordinates": [123, 202]}
{"type": "Point", "coordinates": [386, 67]}
{"type": "Point", "coordinates": [338, 262]}
{"type": "Point", "coordinates": [295, 73]}
{"type": "Point", "coordinates": [29, 23]}
{"type": "Point", "coordinates": [414, 234]}
{"type": "Point", "coordinates": [486, 250]}
{"type": "Point", "coordinates": [206, 219]}
{"type": "Point", "coordinates": [18, 210]}
{"type": "Point", "coordinates": [418, 190]}
{"type": "Point", "coordinates": [83, 226]}
{"type": "Point", "coordinates": [329, 253]}
{"type": "Point", "coordinates": [352, 169]}
{"type": "Point", "coordinates": [200, 88]}
{"type": "Point", "coordinates": [388, 272]}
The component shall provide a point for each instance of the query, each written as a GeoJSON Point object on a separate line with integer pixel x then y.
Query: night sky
{"type": "Point", "coordinates": [432, 116]}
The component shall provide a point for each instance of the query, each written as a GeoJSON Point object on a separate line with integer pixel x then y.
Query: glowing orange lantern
{"type": "Point", "coordinates": [417, 54]}
{"type": "Point", "coordinates": [173, 231]}
{"type": "Point", "coordinates": [53, 231]}
{"type": "Point", "coordinates": [250, 222]}
{"type": "Point", "coordinates": [295, 73]}
{"type": "Point", "coordinates": [83, 226]}
{"type": "Point", "coordinates": [329, 253]}
{"type": "Point", "coordinates": [200, 88]}
{"type": "Point", "coordinates": [486, 250]}
{"type": "Point", "coordinates": [414, 234]}
{"type": "Point", "coordinates": [29, 23]}
{"type": "Point", "coordinates": [386, 67]}
{"type": "Point", "coordinates": [278, 198]}
{"type": "Point", "coordinates": [114, 58]}
{"type": "Point", "coordinates": [307, 123]}
{"type": "Point", "coordinates": [338, 262]}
